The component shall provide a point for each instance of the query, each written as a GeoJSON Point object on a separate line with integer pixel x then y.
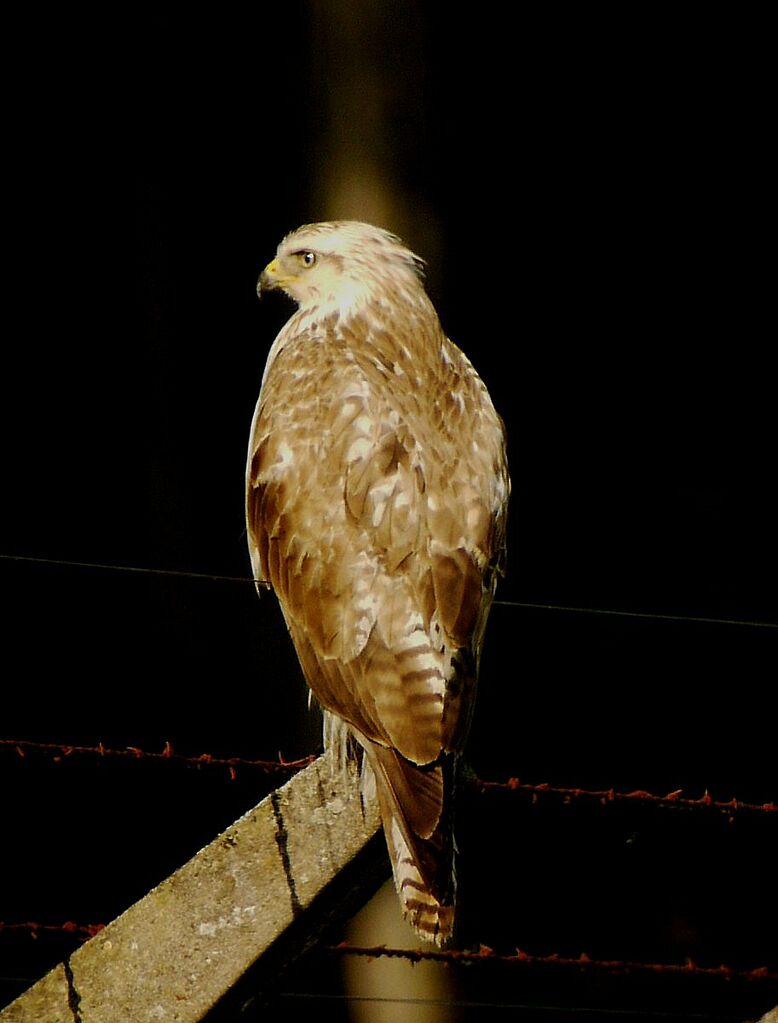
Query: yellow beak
{"type": "Point", "coordinates": [270, 278]}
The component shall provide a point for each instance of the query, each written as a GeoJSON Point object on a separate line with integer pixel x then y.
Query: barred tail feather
{"type": "Point", "coordinates": [432, 918]}
{"type": "Point", "coordinates": [416, 809]}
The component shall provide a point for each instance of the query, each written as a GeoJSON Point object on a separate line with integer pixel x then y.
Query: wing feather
{"type": "Point", "coordinates": [377, 490]}
{"type": "Point", "coordinates": [376, 494]}
{"type": "Point", "coordinates": [346, 481]}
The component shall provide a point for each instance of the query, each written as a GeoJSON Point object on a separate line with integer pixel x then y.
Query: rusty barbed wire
{"type": "Point", "coordinates": [61, 751]}
{"type": "Point", "coordinates": [34, 930]}
{"type": "Point", "coordinates": [672, 800]}
{"type": "Point", "coordinates": [482, 955]}
{"type": "Point", "coordinates": [485, 954]}
{"type": "Point", "coordinates": [565, 796]}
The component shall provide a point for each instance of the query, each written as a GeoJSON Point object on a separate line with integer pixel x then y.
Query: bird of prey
{"type": "Point", "coordinates": [377, 491]}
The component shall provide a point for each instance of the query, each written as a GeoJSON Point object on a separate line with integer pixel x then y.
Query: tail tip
{"type": "Point", "coordinates": [431, 920]}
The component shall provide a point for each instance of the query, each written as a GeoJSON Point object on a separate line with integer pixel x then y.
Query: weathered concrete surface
{"type": "Point", "coordinates": [45, 1002]}
{"type": "Point", "coordinates": [172, 955]}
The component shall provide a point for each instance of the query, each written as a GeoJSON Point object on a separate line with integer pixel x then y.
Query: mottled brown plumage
{"type": "Point", "coordinates": [377, 491]}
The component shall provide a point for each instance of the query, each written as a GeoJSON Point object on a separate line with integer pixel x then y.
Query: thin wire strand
{"type": "Point", "coordinates": [140, 570]}
{"type": "Point", "coordinates": [461, 1003]}
{"type": "Point", "coordinates": [639, 614]}
{"type": "Point", "coordinates": [245, 580]}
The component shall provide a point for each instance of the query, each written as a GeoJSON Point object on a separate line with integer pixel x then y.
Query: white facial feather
{"type": "Point", "coordinates": [350, 262]}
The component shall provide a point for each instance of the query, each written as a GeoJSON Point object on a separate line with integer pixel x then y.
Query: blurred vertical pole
{"type": "Point", "coordinates": [395, 990]}
{"type": "Point", "coordinates": [368, 72]}
{"type": "Point", "coordinates": [368, 75]}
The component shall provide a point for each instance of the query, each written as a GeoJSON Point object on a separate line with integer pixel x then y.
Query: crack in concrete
{"type": "Point", "coordinates": [74, 998]}
{"type": "Point", "coordinates": [282, 837]}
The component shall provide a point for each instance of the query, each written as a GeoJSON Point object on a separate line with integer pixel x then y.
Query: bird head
{"type": "Point", "coordinates": [338, 265]}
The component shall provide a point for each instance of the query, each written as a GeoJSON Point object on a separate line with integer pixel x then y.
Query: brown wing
{"type": "Point", "coordinates": [376, 498]}
{"type": "Point", "coordinates": [375, 493]}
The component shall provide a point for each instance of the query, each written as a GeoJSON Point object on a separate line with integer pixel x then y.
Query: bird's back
{"type": "Point", "coordinates": [376, 500]}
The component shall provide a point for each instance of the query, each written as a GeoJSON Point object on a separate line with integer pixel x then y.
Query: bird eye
{"type": "Point", "coordinates": [307, 258]}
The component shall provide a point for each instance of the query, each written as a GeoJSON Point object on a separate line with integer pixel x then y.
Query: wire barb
{"type": "Point", "coordinates": [60, 751]}
{"type": "Point", "coordinates": [35, 930]}
{"type": "Point", "coordinates": [583, 961]}
{"type": "Point", "coordinates": [673, 800]}
{"type": "Point", "coordinates": [566, 796]}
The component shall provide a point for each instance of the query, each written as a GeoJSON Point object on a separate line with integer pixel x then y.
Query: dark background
{"type": "Point", "coordinates": [595, 199]}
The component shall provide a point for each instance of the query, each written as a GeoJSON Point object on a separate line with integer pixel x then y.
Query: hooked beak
{"type": "Point", "coordinates": [269, 279]}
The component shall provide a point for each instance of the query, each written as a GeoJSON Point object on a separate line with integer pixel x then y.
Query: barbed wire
{"type": "Point", "coordinates": [482, 955]}
{"type": "Point", "coordinates": [671, 800]}
{"type": "Point", "coordinates": [59, 751]}
{"type": "Point", "coordinates": [248, 580]}
{"type": "Point", "coordinates": [69, 929]}
{"type": "Point", "coordinates": [536, 792]}
{"type": "Point", "coordinates": [584, 962]}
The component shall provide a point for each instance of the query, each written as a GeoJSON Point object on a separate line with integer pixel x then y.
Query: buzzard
{"type": "Point", "coordinates": [377, 491]}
